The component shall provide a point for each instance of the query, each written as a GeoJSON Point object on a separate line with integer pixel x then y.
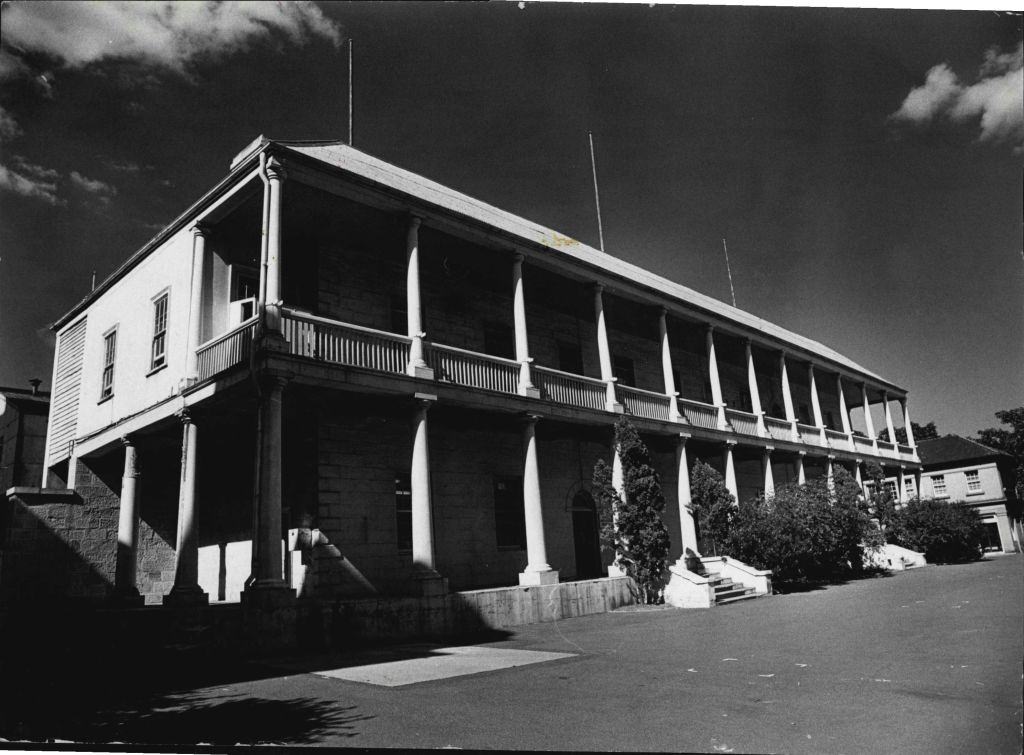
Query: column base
{"type": "Point", "coordinates": [269, 617]}
{"type": "Point", "coordinates": [534, 578]}
{"type": "Point", "coordinates": [126, 600]}
{"type": "Point", "coordinates": [431, 585]}
{"type": "Point", "coordinates": [615, 407]}
{"type": "Point", "coordinates": [187, 596]}
{"type": "Point", "coordinates": [689, 561]}
{"type": "Point", "coordinates": [424, 372]}
{"type": "Point", "coordinates": [531, 391]}
{"type": "Point", "coordinates": [614, 570]}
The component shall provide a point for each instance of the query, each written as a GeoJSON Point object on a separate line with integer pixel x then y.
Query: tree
{"type": "Point", "coordinates": [1009, 441]}
{"type": "Point", "coordinates": [945, 531]}
{"type": "Point", "coordinates": [810, 532]}
{"type": "Point", "coordinates": [631, 523]}
{"type": "Point", "coordinates": [921, 432]}
{"type": "Point", "coordinates": [712, 502]}
{"type": "Point", "coordinates": [880, 500]}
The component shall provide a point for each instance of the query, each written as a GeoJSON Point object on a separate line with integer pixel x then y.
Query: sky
{"type": "Point", "coordinates": [864, 166]}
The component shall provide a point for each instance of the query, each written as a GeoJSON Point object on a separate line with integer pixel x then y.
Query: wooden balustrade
{"type": "Point", "coordinates": [472, 369]}
{"type": "Point", "coordinates": [779, 429]}
{"type": "Point", "coordinates": [860, 443]}
{"type": "Point", "coordinates": [223, 352]}
{"type": "Point", "coordinates": [699, 414]}
{"type": "Point", "coordinates": [340, 343]}
{"type": "Point", "coordinates": [745, 423]}
{"type": "Point", "coordinates": [838, 440]}
{"type": "Point", "coordinates": [566, 388]}
{"type": "Point", "coordinates": [811, 434]}
{"type": "Point", "coordinates": [641, 403]}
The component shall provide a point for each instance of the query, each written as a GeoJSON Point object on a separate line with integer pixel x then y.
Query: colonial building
{"type": "Point", "coordinates": [333, 376]}
{"type": "Point", "coordinates": [961, 469]}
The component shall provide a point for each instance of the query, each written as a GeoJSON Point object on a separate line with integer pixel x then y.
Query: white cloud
{"type": "Point", "coordinates": [169, 35]}
{"type": "Point", "coordinates": [37, 172]}
{"type": "Point", "coordinates": [102, 191]}
{"type": "Point", "coordinates": [44, 188]}
{"type": "Point", "coordinates": [9, 127]}
{"type": "Point", "coordinates": [995, 100]}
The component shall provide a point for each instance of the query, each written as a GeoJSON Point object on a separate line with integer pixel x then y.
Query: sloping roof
{"type": "Point", "coordinates": [953, 448]}
{"type": "Point", "coordinates": [340, 155]}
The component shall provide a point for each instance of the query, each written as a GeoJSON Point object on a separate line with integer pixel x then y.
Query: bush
{"type": "Point", "coordinates": [713, 504]}
{"type": "Point", "coordinates": [805, 533]}
{"type": "Point", "coordinates": [632, 525]}
{"type": "Point", "coordinates": [945, 531]}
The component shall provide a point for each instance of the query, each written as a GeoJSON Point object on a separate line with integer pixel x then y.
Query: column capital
{"type": "Point", "coordinates": [275, 170]}
{"type": "Point", "coordinates": [518, 257]}
{"type": "Point", "coordinates": [414, 220]}
{"type": "Point", "coordinates": [201, 230]}
{"type": "Point", "coordinates": [424, 400]}
{"type": "Point", "coordinates": [127, 440]}
{"type": "Point", "coordinates": [185, 415]}
{"type": "Point", "coordinates": [530, 418]}
{"type": "Point", "coordinates": [597, 288]}
{"type": "Point", "coordinates": [801, 453]}
{"type": "Point", "coordinates": [682, 438]}
{"type": "Point", "coordinates": [858, 461]}
{"type": "Point", "coordinates": [709, 328]}
{"type": "Point", "coordinates": [662, 310]}
{"type": "Point", "coordinates": [729, 444]}
{"type": "Point", "coordinates": [275, 379]}
{"type": "Point", "coordinates": [830, 457]}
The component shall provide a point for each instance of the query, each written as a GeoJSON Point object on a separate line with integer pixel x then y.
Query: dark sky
{"type": "Point", "coordinates": [897, 242]}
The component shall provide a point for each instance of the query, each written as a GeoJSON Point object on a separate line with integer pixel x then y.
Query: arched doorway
{"type": "Point", "coordinates": [585, 536]}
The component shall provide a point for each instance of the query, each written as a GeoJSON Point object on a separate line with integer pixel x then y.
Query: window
{"type": "Point", "coordinates": [509, 518]}
{"type": "Point", "coordinates": [158, 358]}
{"type": "Point", "coordinates": [908, 487]}
{"type": "Point", "coordinates": [624, 370]}
{"type": "Point", "coordinates": [890, 486]}
{"type": "Point", "coordinates": [499, 340]}
{"type": "Point", "coordinates": [109, 352]}
{"type": "Point", "coordinates": [570, 358]}
{"type": "Point", "coordinates": [973, 482]}
{"type": "Point", "coordinates": [939, 485]}
{"type": "Point", "coordinates": [403, 510]}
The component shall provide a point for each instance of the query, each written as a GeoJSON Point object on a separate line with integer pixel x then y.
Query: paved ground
{"type": "Point", "coordinates": [928, 661]}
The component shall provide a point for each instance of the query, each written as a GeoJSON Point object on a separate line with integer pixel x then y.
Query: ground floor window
{"type": "Point", "coordinates": [990, 536]}
{"type": "Point", "coordinates": [509, 519]}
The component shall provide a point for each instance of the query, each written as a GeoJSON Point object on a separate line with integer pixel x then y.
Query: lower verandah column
{"type": "Point", "coordinates": [537, 571]}
{"type": "Point", "coordinates": [186, 590]}
{"type": "Point", "coordinates": [429, 581]}
{"type": "Point", "coordinates": [690, 558]}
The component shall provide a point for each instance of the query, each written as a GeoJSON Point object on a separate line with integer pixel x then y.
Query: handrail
{"type": "Point", "coordinates": [224, 336]}
{"type": "Point", "coordinates": [306, 316]}
{"type": "Point", "coordinates": [474, 354]}
{"type": "Point", "coordinates": [571, 375]}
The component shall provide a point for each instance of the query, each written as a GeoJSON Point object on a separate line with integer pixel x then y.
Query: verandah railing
{"type": "Point", "coordinates": [472, 369]}
{"type": "Point", "coordinates": [225, 351]}
{"type": "Point", "coordinates": [641, 403]}
{"type": "Point", "coordinates": [341, 343]}
{"type": "Point", "coordinates": [699, 414]}
{"type": "Point", "coordinates": [779, 429]}
{"type": "Point", "coordinates": [745, 423]}
{"type": "Point", "coordinates": [838, 440]}
{"type": "Point", "coordinates": [567, 388]}
{"type": "Point", "coordinates": [811, 434]}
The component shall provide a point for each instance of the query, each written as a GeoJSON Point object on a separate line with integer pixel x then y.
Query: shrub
{"type": "Point", "coordinates": [809, 532]}
{"type": "Point", "coordinates": [945, 531]}
{"type": "Point", "coordinates": [632, 524]}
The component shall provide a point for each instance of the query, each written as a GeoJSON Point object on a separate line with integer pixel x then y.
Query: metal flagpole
{"type": "Point", "coordinates": [597, 197]}
{"type": "Point", "coordinates": [728, 269]}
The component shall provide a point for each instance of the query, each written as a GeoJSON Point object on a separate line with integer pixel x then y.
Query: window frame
{"type": "Point", "coordinates": [165, 297]}
{"type": "Point", "coordinates": [108, 364]}
{"type": "Point", "coordinates": [974, 486]}
{"type": "Point", "coordinates": [939, 481]}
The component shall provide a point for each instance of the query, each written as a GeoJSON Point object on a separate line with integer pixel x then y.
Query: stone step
{"type": "Point", "coordinates": [743, 596]}
{"type": "Point", "coordinates": [733, 592]}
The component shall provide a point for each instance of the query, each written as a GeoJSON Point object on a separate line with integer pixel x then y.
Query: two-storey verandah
{"type": "Point", "coordinates": [369, 286]}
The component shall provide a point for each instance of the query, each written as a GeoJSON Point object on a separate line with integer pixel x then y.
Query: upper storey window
{"type": "Point", "coordinates": [109, 354]}
{"type": "Point", "coordinates": [158, 356]}
{"type": "Point", "coordinates": [973, 481]}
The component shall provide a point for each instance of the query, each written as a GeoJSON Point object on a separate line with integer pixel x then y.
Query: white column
{"type": "Point", "coordinates": [815, 404]}
{"type": "Point", "coordinates": [843, 413]}
{"type": "Point", "coordinates": [755, 393]}
{"type": "Point", "coordinates": [186, 590]}
{"type": "Point", "coordinates": [688, 529]}
{"type": "Point", "coordinates": [666, 365]}
{"type": "Point", "coordinates": [868, 422]}
{"type": "Point", "coordinates": [603, 352]}
{"type": "Point", "coordinates": [267, 546]}
{"type": "Point", "coordinates": [907, 425]}
{"type": "Point", "coordinates": [801, 476]}
{"type": "Point", "coordinates": [538, 571]}
{"type": "Point", "coordinates": [769, 477]}
{"type": "Point", "coordinates": [417, 366]}
{"type": "Point", "coordinates": [858, 476]}
{"type": "Point", "coordinates": [716, 384]}
{"type": "Point", "coordinates": [730, 472]}
{"type": "Point", "coordinates": [526, 387]}
{"type": "Point", "coordinates": [276, 176]}
{"type": "Point", "coordinates": [917, 483]}
{"type": "Point", "coordinates": [128, 528]}
{"type": "Point", "coordinates": [195, 310]}
{"type": "Point", "coordinates": [830, 473]}
{"type": "Point", "coordinates": [901, 491]}
{"type": "Point", "coordinates": [422, 516]}
{"type": "Point", "coordinates": [889, 426]}
{"type": "Point", "coordinates": [615, 569]}
{"type": "Point", "coordinates": [787, 397]}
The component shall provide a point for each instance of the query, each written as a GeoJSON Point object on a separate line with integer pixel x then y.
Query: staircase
{"type": "Point", "coordinates": [726, 589]}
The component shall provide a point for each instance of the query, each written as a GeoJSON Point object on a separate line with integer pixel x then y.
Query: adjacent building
{"type": "Point", "coordinates": [335, 377]}
{"type": "Point", "coordinates": [961, 469]}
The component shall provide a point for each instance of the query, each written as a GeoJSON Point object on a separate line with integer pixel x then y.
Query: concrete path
{"type": "Point", "coordinates": [927, 661]}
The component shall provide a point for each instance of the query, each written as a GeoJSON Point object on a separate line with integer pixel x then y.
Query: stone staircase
{"type": "Point", "coordinates": [728, 591]}
{"type": "Point", "coordinates": [703, 582]}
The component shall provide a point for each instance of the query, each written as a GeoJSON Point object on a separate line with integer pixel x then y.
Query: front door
{"type": "Point", "coordinates": [585, 536]}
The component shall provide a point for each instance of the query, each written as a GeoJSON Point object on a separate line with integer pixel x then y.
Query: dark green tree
{"type": "Point", "coordinates": [1009, 441]}
{"type": "Point", "coordinates": [631, 524]}
{"type": "Point", "coordinates": [945, 531]}
{"type": "Point", "coordinates": [880, 500]}
{"type": "Point", "coordinates": [712, 503]}
{"type": "Point", "coordinates": [921, 432]}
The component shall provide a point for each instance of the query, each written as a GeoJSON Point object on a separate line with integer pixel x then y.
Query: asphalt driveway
{"type": "Point", "coordinates": [925, 661]}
